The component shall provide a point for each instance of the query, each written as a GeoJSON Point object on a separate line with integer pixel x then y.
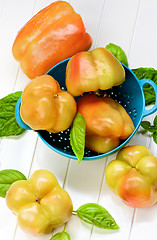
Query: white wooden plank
{"type": "Point", "coordinates": [46, 158]}
{"type": "Point", "coordinates": [1, 6]}
{"type": "Point", "coordinates": [119, 211]}
{"type": "Point", "coordinates": [91, 13]}
{"type": "Point", "coordinates": [117, 25]}
{"type": "Point", "coordinates": [7, 221]}
{"type": "Point", "coordinates": [118, 21]}
{"type": "Point", "coordinates": [83, 185]}
{"type": "Point", "coordinates": [14, 15]}
{"type": "Point", "coordinates": [144, 48]}
{"type": "Point", "coordinates": [142, 54]}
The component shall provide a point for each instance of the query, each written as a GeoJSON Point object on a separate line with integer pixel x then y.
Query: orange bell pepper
{"type": "Point", "coordinates": [107, 122]}
{"type": "Point", "coordinates": [52, 35]}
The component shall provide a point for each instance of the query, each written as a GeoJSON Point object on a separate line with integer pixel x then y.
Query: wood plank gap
{"type": "Point", "coordinates": [17, 74]}
{"type": "Point", "coordinates": [66, 173]}
{"type": "Point", "coordinates": [134, 29]}
{"type": "Point", "coordinates": [149, 140]}
{"type": "Point", "coordinates": [33, 155]}
{"type": "Point", "coordinates": [132, 222]}
{"type": "Point", "coordinates": [15, 232]}
{"type": "Point", "coordinates": [103, 176]}
{"type": "Point", "coordinates": [100, 24]}
{"type": "Point", "coordinates": [101, 184]}
{"type": "Point", "coordinates": [35, 5]}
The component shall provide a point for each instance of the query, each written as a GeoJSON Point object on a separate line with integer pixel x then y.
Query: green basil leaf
{"type": "Point", "coordinates": [77, 136]}
{"type": "Point", "coordinates": [8, 123]}
{"type": "Point", "coordinates": [155, 122]}
{"type": "Point", "coordinates": [61, 236]}
{"type": "Point", "coordinates": [145, 125]}
{"type": "Point", "coordinates": [148, 127]}
{"type": "Point", "coordinates": [118, 53]}
{"type": "Point", "coordinates": [147, 73]}
{"type": "Point", "coordinates": [7, 177]}
{"type": "Point", "coordinates": [155, 137]}
{"type": "Point", "coordinates": [97, 215]}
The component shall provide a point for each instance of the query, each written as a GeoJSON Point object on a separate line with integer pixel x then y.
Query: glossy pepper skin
{"type": "Point", "coordinates": [90, 71]}
{"type": "Point", "coordinates": [39, 203]}
{"type": "Point", "coordinates": [44, 106]}
{"type": "Point", "coordinates": [52, 35]}
{"type": "Point", "coordinates": [106, 120]}
{"type": "Point", "coordinates": [133, 176]}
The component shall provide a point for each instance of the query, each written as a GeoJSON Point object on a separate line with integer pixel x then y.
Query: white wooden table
{"type": "Point", "coordinates": [130, 24]}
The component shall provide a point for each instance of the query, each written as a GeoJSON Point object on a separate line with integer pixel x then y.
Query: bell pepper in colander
{"type": "Point", "coordinates": [52, 35]}
{"type": "Point", "coordinates": [44, 106]}
{"type": "Point", "coordinates": [133, 176]}
{"type": "Point", "coordinates": [39, 203]}
{"type": "Point", "coordinates": [106, 120]}
{"type": "Point", "coordinates": [90, 71]}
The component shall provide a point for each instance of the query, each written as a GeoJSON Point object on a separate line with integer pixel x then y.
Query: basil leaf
{"type": "Point", "coordinates": [145, 124]}
{"type": "Point", "coordinates": [7, 177]}
{"type": "Point", "coordinates": [77, 136]}
{"type": "Point", "coordinates": [155, 137]}
{"type": "Point", "coordinates": [8, 123]}
{"type": "Point", "coordinates": [97, 215]}
{"type": "Point", "coordinates": [61, 236]}
{"type": "Point", "coordinates": [155, 122]}
{"type": "Point", "coordinates": [148, 127]}
{"type": "Point", "coordinates": [144, 73]}
{"type": "Point", "coordinates": [118, 53]}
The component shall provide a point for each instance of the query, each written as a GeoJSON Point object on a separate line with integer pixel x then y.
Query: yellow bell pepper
{"type": "Point", "coordinates": [133, 176]}
{"type": "Point", "coordinates": [90, 71]}
{"type": "Point", "coordinates": [39, 203]}
{"type": "Point", "coordinates": [44, 106]}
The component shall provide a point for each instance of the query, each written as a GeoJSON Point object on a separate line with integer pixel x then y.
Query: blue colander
{"type": "Point", "coordinates": [130, 95]}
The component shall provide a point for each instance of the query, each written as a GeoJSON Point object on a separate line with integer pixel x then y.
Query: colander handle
{"type": "Point", "coordinates": [18, 117]}
{"type": "Point", "coordinates": [154, 108]}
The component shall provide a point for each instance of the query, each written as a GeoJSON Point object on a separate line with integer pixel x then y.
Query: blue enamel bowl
{"type": "Point", "coordinates": [130, 95]}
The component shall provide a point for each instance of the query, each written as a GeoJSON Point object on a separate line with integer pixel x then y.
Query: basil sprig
{"type": "Point", "coordinates": [151, 128]}
{"type": "Point", "coordinates": [77, 136]}
{"type": "Point", "coordinates": [7, 177]}
{"type": "Point", "coordinates": [8, 123]}
{"type": "Point", "coordinates": [147, 73]}
{"type": "Point", "coordinates": [94, 214]}
{"type": "Point", "coordinates": [97, 215]}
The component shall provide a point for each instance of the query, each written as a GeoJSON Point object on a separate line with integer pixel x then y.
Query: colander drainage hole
{"type": "Point", "coordinates": [130, 112]}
